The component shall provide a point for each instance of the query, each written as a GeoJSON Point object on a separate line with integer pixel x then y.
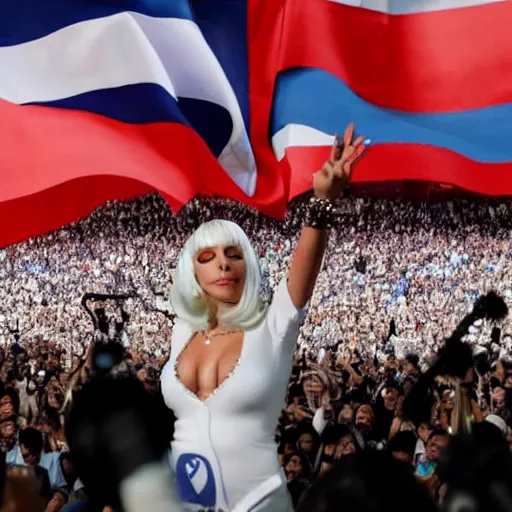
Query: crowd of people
{"type": "Point", "coordinates": [417, 265]}
{"type": "Point", "coordinates": [396, 280]}
{"type": "Point", "coordinates": [346, 404]}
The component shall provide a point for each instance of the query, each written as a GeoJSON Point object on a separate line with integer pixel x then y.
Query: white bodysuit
{"type": "Point", "coordinates": [223, 453]}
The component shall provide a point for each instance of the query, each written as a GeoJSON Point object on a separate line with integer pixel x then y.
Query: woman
{"type": "Point", "coordinates": [231, 357]}
{"type": "Point", "coordinates": [337, 441]}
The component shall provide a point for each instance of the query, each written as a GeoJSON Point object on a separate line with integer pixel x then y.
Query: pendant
{"type": "Point", "coordinates": [207, 341]}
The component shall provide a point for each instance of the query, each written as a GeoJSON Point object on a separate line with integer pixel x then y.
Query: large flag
{"type": "Point", "coordinates": [109, 99]}
{"type": "Point", "coordinates": [429, 81]}
{"type": "Point", "coordinates": [103, 99]}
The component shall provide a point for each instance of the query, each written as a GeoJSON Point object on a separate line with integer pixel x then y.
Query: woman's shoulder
{"type": "Point", "coordinates": [181, 333]}
{"type": "Point", "coordinates": [181, 328]}
{"type": "Point", "coordinates": [282, 314]}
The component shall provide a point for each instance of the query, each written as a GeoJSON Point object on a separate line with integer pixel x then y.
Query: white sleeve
{"type": "Point", "coordinates": [283, 317]}
{"type": "Point", "coordinates": [319, 420]}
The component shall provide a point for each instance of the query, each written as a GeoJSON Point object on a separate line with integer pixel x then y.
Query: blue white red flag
{"type": "Point", "coordinates": [429, 81]}
{"type": "Point", "coordinates": [110, 99]}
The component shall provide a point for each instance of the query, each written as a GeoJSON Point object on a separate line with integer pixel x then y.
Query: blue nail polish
{"type": "Point", "coordinates": [367, 142]}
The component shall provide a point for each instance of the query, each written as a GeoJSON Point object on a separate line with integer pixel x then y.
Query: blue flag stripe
{"type": "Point", "coordinates": [22, 21]}
{"type": "Point", "coordinates": [151, 103]}
{"type": "Point", "coordinates": [318, 99]}
{"type": "Point", "coordinates": [224, 26]}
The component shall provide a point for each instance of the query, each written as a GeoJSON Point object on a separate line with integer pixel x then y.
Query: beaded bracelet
{"type": "Point", "coordinates": [320, 214]}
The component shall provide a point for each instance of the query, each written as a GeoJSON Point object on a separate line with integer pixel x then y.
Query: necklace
{"type": "Point", "coordinates": [209, 337]}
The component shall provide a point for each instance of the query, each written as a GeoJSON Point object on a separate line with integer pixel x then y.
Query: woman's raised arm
{"type": "Point", "coordinates": [328, 185]}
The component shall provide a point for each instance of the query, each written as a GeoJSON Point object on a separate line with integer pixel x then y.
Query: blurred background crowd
{"type": "Point", "coordinates": [396, 280]}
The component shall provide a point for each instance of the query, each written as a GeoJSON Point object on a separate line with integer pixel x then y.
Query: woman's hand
{"type": "Point", "coordinates": [336, 174]}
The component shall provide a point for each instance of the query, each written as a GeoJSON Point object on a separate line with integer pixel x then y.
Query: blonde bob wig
{"type": "Point", "coordinates": [188, 298]}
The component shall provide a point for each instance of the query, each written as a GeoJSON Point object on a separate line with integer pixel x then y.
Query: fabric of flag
{"type": "Point", "coordinates": [108, 99]}
{"type": "Point", "coordinates": [429, 81]}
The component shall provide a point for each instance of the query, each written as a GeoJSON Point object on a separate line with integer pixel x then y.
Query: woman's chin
{"type": "Point", "coordinates": [225, 300]}
{"type": "Point", "coordinates": [228, 304]}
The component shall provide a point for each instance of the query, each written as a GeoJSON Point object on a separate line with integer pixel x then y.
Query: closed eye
{"type": "Point", "coordinates": [205, 257]}
{"type": "Point", "coordinates": [233, 253]}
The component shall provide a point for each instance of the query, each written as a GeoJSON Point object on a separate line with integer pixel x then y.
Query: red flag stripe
{"type": "Point", "coordinates": [438, 61]}
{"type": "Point", "coordinates": [397, 162]}
{"type": "Point", "coordinates": [85, 159]}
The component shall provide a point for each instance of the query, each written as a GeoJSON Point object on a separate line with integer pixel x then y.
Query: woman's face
{"type": "Point", "coordinates": [220, 271]}
{"type": "Point", "coordinates": [293, 467]}
{"type": "Point", "coordinates": [306, 443]}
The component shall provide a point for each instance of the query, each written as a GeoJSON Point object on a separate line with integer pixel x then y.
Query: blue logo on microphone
{"type": "Point", "coordinates": [195, 479]}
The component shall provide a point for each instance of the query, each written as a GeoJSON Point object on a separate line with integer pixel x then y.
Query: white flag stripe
{"type": "Point", "coordinates": [125, 49]}
{"type": "Point", "coordinates": [299, 135]}
{"type": "Point", "coordinates": [413, 6]}
{"type": "Point", "coordinates": [98, 54]}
